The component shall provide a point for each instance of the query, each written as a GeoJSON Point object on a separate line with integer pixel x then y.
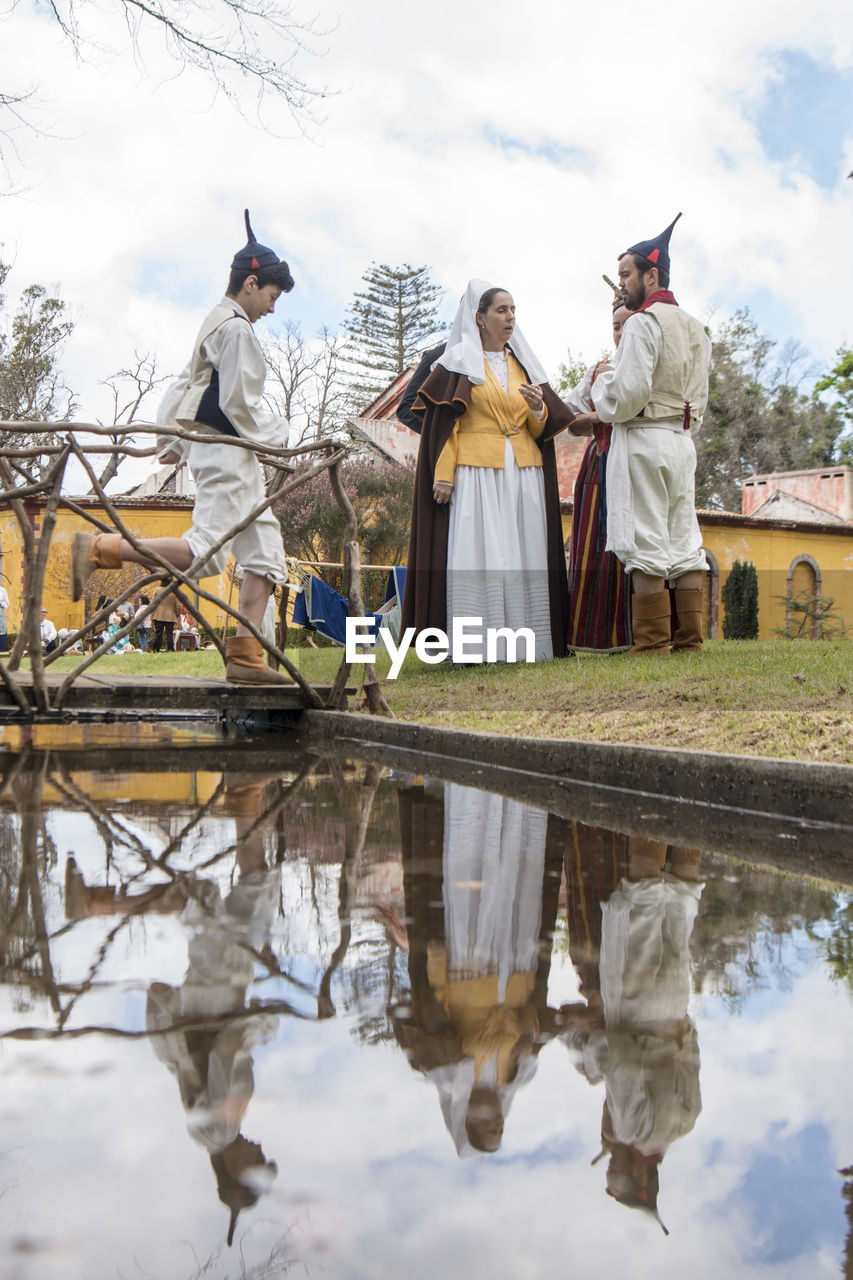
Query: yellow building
{"type": "Point", "coordinates": [790, 557]}
{"type": "Point", "coordinates": [158, 516]}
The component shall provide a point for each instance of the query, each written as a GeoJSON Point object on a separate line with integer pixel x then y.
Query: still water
{"type": "Point", "coordinates": [270, 1014]}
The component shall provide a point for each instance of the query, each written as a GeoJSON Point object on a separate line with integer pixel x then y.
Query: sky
{"type": "Point", "coordinates": [525, 145]}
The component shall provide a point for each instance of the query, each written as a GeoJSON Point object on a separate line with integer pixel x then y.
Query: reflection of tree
{"type": "Point", "coordinates": [747, 915]}
{"type": "Point", "coordinates": [838, 946]}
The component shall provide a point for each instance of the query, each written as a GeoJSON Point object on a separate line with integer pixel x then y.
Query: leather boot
{"type": "Point", "coordinates": [650, 619]}
{"type": "Point", "coordinates": [90, 552]}
{"type": "Point", "coordinates": [245, 663]}
{"type": "Point", "coordinates": [688, 608]}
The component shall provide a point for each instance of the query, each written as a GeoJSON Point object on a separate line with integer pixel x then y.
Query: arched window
{"type": "Point", "coordinates": [803, 591]}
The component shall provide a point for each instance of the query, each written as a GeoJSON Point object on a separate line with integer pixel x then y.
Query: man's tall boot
{"type": "Point", "coordinates": [245, 663]}
{"type": "Point", "coordinates": [650, 619]}
{"type": "Point", "coordinates": [90, 552]}
{"type": "Point", "coordinates": [688, 609]}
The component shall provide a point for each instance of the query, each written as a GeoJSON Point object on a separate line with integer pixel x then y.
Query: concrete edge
{"type": "Point", "coordinates": [794, 789]}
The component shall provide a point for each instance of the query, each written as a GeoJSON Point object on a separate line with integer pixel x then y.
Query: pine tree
{"type": "Point", "coordinates": [388, 325]}
{"type": "Point", "coordinates": [740, 602]}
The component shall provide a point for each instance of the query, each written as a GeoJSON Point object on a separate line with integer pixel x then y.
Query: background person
{"type": "Point", "coordinates": [47, 632]}
{"type": "Point", "coordinates": [167, 613]}
{"type": "Point", "coordinates": [486, 538]}
{"type": "Point", "coordinates": [4, 605]}
{"type": "Point", "coordinates": [599, 591]}
{"type": "Point", "coordinates": [143, 625]}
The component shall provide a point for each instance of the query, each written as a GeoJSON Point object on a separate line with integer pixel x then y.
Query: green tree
{"type": "Point", "coordinates": [381, 492]}
{"type": "Point", "coordinates": [839, 381]}
{"type": "Point", "coordinates": [570, 373]}
{"type": "Point", "coordinates": [388, 325]}
{"type": "Point", "coordinates": [740, 602]}
{"type": "Point", "coordinates": [32, 337]}
{"type": "Point", "coordinates": [759, 419]}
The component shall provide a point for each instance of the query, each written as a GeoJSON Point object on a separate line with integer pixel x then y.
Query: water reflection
{"type": "Point", "coordinates": [282, 1013]}
{"type": "Point", "coordinates": [482, 882]}
{"type": "Point", "coordinates": [634, 1032]}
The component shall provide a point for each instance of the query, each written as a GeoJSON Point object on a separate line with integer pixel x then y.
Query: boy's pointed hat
{"type": "Point", "coordinates": [254, 255]}
{"type": "Point", "coordinates": [655, 251]}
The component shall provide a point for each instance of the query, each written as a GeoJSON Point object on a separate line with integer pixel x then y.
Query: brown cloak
{"type": "Point", "coordinates": [442, 399]}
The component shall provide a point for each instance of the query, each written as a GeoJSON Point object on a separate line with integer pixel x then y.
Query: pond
{"type": "Point", "coordinates": [267, 1012]}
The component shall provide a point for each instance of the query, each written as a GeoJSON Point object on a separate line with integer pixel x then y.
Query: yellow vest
{"type": "Point", "coordinates": [493, 417]}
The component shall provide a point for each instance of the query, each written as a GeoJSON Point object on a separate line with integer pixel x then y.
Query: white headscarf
{"type": "Point", "coordinates": [464, 350]}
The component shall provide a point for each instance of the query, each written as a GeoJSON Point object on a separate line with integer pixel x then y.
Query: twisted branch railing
{"type": "Point", "coordinates": [60, 445]}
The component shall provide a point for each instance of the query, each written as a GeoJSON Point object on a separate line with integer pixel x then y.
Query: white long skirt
{"type": "Point", "coordinates": [497, 551]}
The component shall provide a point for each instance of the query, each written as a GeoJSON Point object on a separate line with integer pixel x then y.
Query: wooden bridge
{"type": "Point", "coordinates": [33, 459]}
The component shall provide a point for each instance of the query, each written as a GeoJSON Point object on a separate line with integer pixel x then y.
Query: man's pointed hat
{"type": "Point", "coordinates": [254, 255]}
{"type": "Point", "coordinates": [655, 251]}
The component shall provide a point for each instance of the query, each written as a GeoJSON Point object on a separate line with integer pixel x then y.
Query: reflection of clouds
{"type": "Point", "coordinates": [370, 1174]}
{"type": "Point", "coordinates": [368, 1183]}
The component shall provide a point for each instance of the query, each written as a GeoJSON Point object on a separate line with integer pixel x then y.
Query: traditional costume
{"type": "Point", "coordinates": [656, 391]}
{"type": "Point", "coordinates": [599, 592]}
{"type": "Point", "coordinates": [222, 389]}
{"type": "Point", "coordinates": [496, 550]}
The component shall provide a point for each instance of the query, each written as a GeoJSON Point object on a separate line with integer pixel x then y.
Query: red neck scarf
{"type": "Point", "coordinates": [660, 295]}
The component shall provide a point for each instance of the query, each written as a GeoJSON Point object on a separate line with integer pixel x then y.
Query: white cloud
{"type": "Point", "coordinates": [622, 117]}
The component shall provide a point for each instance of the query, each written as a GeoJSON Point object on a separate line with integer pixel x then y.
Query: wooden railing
{"type": "Point", "coordinates": [60, 443]}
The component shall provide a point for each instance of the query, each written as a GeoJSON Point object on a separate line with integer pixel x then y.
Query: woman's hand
{"type": "Point", "coordinates": [169, 458]}
{"type": "Point", "coordinates": [534, 398]}
{"type": "Point", "coordinates": [441, 491]}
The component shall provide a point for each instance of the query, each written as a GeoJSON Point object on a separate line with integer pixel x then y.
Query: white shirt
{"type": "Point", "coordinates": [48, 631]}
{"type": "Point", "coordinates": [621, 392]}
{"type": "Point", "coordinates": [235, 353]}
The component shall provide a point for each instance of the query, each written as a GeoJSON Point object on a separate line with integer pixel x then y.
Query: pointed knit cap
{"type": "Point", "coordinates": [655, 251]}
{"type": "Point", "coordinates": [254, 255]}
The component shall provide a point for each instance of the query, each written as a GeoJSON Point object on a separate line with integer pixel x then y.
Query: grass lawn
{"type": "Point", "coordinates": [768, 698]}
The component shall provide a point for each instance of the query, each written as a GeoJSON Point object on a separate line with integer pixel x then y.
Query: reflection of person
{"type": "Point", "coordinates": [656, 391]}
{"type": "Point", "coordinates": [4, 605]}
{"type": "Point", "coordinates": [221, 390]}
{"type": "Point", "coordinates": [47, 632]}
{"type": "Point", "coordinates": [166, 614]}
{"type": "Point", "coordinates": [599, 599]}
{"type": "Point", "coordinates": [203, 1030]}
{"type": "Point", "coordinates": [486, 539]}
{"type": "Point", "coordinates": [479, 953]}
{"type": "Point", "coordinates": [638, 1036]}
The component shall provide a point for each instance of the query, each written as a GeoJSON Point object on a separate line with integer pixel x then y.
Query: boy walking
{"type": "Point", "coordinates": [220, 389]}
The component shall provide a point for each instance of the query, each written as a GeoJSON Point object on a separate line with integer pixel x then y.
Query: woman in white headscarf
{"type": "Point", "coordinates": [486, 538]}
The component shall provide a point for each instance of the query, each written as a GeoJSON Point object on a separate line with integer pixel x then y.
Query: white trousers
{"type": "Point", "coordinates": [668, 541]}
{"type": "Point", "coordinates": [497, 551]}
{"type": "Point", "coordinates": [229, 484]}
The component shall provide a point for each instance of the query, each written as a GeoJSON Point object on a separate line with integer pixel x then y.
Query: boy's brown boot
{"type": "Point", "coordinates": [245, 663]}
{"type": "Point", "coordinates": [90, 552]}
